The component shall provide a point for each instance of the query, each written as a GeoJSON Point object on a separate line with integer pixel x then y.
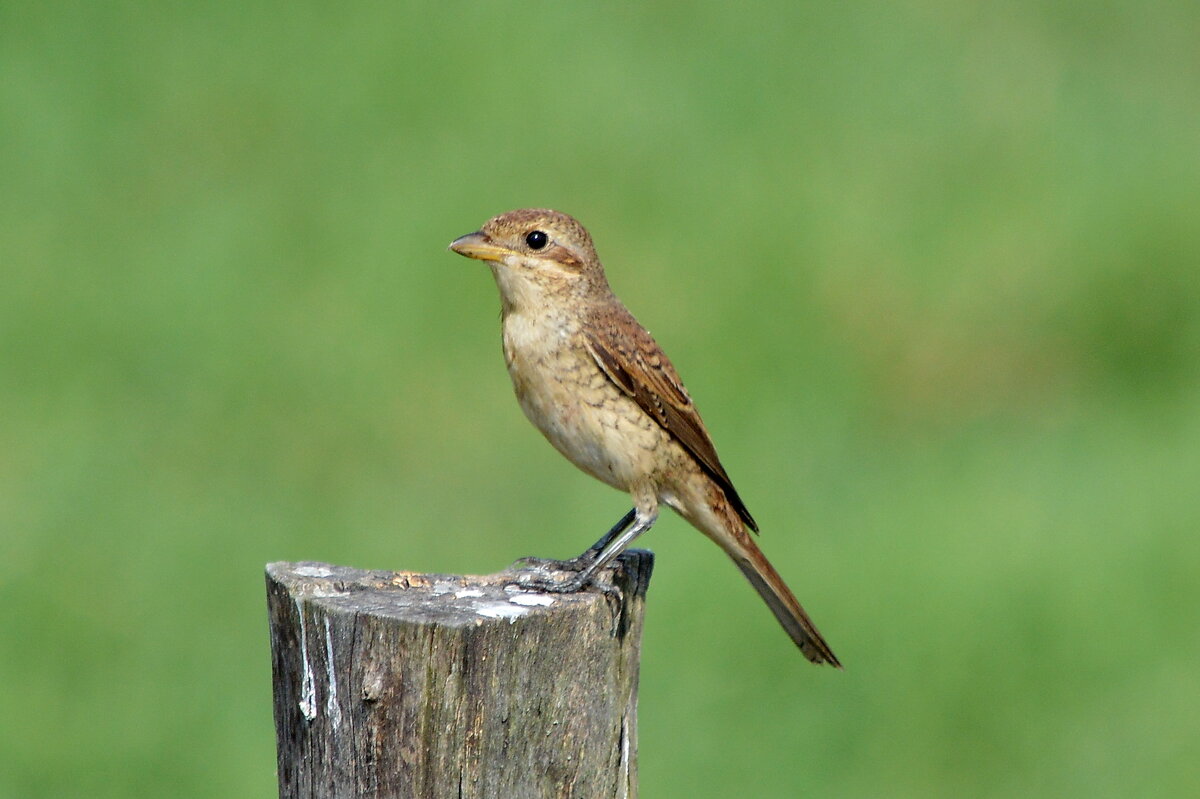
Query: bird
{"type": "Point", "coordinates": [605, 395]}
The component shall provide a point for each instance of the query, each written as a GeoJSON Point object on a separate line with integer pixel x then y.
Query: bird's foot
{"type": "Point", "coordinates": [549, 564]}
{"type": "Point", "coordinates": [557, 576]}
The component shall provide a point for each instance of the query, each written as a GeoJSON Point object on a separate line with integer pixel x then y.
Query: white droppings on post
{"type": "Point", "coordinates": [539, 600]}
{"type": "Point", "coordinates": [308, 688]}
{"type": "Point", "coordinates": [313, 571]}
{"type": "Point", "coordinates": [467, 592]}
{"type": "Point", "coordinates": [626, 760]}
{"type": "Point", "coordinates": [501, 610]}
{"type": "Point", "coordinates": [331, 703]}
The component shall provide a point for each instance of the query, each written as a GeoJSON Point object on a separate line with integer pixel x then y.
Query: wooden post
{"type": "Point", "coordinates": [396, 684]}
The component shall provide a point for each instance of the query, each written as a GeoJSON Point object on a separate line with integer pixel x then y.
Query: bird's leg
{"type": "Point", "coordinates": [615, 546]}
{"type": "Point", "coordinates": [595, 558]}
{"type": "Point", "coordinates": [585, 558]}
{"type": "Point", "coordinates": [589, 554]}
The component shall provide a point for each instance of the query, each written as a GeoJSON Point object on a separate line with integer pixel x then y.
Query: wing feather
{"type": "Point", "coordinates": [637, 365]}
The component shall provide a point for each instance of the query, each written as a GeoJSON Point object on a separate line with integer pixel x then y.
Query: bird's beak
{"type": "Point", "coordinates": [477, 245]}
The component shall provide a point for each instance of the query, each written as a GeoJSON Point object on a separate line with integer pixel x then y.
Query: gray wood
{"type": "Point", "coordinates": [398, 684]}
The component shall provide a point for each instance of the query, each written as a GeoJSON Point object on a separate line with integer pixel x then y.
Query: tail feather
{"type": "Point", "coordinates": [783, 604]}
{"type": "Point", "coordinates": [718, 519]}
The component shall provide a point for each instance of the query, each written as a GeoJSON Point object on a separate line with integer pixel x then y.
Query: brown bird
{"type": "Point", "coordinates": [596, 384]}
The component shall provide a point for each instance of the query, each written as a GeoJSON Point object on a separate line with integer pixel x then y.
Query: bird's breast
{"type": "Point", "coordinates": [572, 402]}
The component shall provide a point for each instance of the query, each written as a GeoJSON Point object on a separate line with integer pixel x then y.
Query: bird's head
{"type": "Point", "coordinates": [536, 251]}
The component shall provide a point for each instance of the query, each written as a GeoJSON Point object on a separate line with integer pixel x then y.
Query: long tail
{"type": "Point", "coordinates": [727, 529]}
{"type": "Point", "coordinates": [782, 602]}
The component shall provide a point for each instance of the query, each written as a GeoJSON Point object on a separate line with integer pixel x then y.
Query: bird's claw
{"type": "Point", "coordinates": [548, 565]}
{"type": "Point", "coordinates": [556, 576]}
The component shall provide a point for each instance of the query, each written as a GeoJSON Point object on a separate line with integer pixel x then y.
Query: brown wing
{"type": "Point", "coordinates": [634, 362]}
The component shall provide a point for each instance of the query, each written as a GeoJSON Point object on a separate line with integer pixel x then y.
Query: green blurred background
{"type": "Point", "coordinates": [931, 270]}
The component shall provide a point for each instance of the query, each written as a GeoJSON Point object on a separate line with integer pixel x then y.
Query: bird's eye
{"type": "Point", "coordinates": [536, 239]}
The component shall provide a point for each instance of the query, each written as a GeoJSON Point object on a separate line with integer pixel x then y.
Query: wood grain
{"type": "Point", "coordinates": [398, 684]}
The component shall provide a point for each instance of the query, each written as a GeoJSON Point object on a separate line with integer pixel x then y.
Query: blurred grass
{"type": "Point", "coordinates": [931, 271]}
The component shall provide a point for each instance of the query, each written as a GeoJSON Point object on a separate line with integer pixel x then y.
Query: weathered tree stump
{"type": "Point", "coordinates": [396, 684]}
